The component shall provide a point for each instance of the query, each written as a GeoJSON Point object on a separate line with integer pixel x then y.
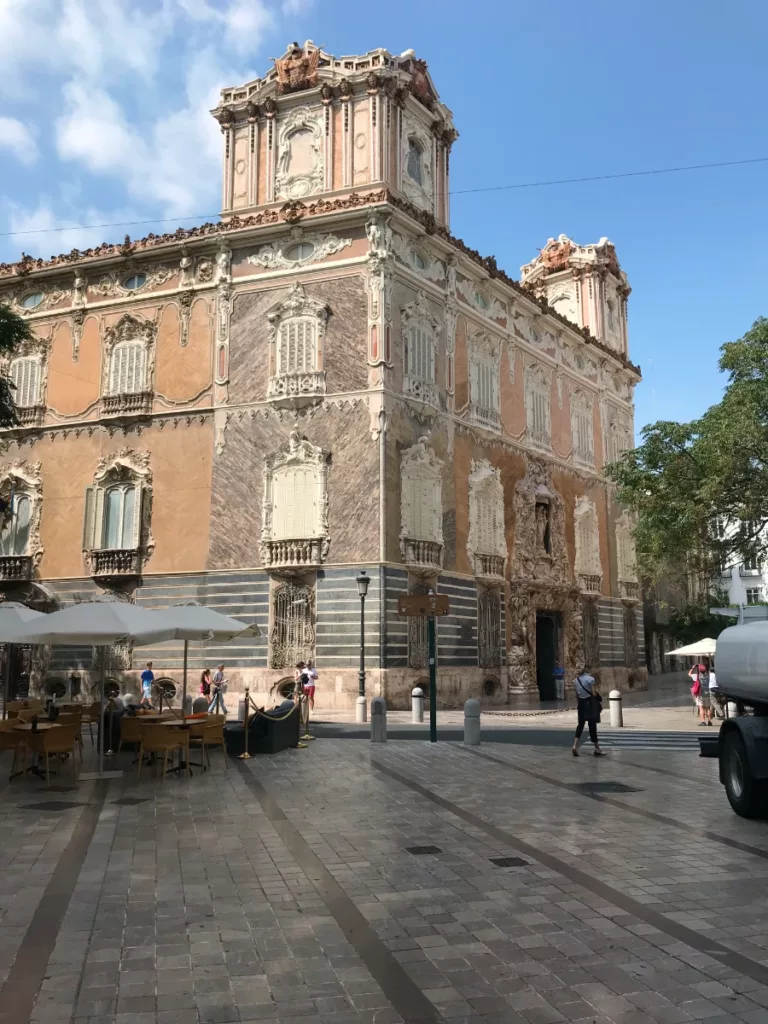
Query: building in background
{"type": "Point", "coordinates": [248, 413]}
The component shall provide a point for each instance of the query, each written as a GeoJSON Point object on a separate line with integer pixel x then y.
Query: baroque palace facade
{"type": "Point", "coordinates": [249, 413]}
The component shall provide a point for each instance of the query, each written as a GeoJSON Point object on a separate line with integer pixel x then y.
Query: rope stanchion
{"type": "Point", "coordinates": [245, 756]}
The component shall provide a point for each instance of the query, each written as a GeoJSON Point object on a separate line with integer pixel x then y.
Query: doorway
{"type": "Point", "coordinates": [547, 636]}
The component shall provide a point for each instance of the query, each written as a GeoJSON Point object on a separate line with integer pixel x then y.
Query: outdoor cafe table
{"type": "Point", "coordinates": [28, 727]}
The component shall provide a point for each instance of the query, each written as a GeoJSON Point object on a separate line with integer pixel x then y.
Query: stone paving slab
{"type": "Point", "coordinates": [231, 897]}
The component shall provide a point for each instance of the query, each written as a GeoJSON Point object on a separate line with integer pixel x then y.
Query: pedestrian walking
{"type": "Point", "coordinates": [219, 688]}
{"type": "Point", "coordinates": [205, 683]}
{"type": "Point", "coordinates": [147, 681]}
{"type": "Point", "coordinates": [310, 686]}
{"type": "Point", "coordinates": [588, 702]}
{"type": "Point", "coordinates": [699, 674]}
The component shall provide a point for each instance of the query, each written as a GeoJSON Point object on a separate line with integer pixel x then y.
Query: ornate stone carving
{"type": "Point", "coordinates": [204, 270]}
{"type": "Point", "coordinates": [302, 179]}
{"type": "Point", "coordinates": [130, 328]}
{"type": "Point", "coordinates": [80, 289]}
{"type": "Point", "coordinates": [223, 263]}
{"type": "Point", "coordinates": [588, 567]}
{"type": "Point", "coordinates": [297, 69]}
{"type": "Point", "coordinates": [419, 192]}
{"type": "Point", "coordinates": [274, 255]}
{"type": "Point", "coordinates": [418, 258]}
{"type": "Point", "coordinates": [186, 263]}
{"type": "Point", "coordinates": [306, 380]}
{"type": "Point", "coordinates": [555, 254]}
{"type": "Point", "coordinates": [78, 324]}
{"type": "Point", "coordinates": [539, 551]}
{"type": "Point", "coordinates": [111, 285]}
{"type": "Point", "coordinates": [278, 550]}
{"type": "Point", "coordinates": [626, 569]}
{"type": "Point", "coordinates": [185, 314]}
{"type": "Point", "coordinates": [17, 479]}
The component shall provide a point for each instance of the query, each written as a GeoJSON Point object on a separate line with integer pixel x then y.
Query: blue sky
{"type": "Point", "coordinates": [103, 118]}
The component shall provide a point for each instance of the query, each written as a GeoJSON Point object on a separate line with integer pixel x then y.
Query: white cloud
{"type": "Point", "coordinates": [41, 232]}
{"type": "Point", "coordinates": [15, 135]}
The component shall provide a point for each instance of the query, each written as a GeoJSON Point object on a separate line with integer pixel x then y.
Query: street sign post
{"type": "Point", "coordinates": [430, 605]}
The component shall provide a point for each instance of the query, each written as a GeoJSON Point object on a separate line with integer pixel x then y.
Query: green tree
{"type": "Point", "coordinates": [13, 331]}
{"type": "Point", "coordinates": [700, 489]}
{"type": "Point", "coordinates": [694, 622]}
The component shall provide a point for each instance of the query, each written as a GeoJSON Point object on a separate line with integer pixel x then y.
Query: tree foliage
{"type": "Point", "coordinates": [14, 330]}
{"type": "Point", "coordinates": [700, 489]}
{"type": "Point", "coordinates": [694, 621]}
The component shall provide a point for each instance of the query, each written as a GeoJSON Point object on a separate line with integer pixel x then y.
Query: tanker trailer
{"type": "Point", "coordinates": [742, 675]}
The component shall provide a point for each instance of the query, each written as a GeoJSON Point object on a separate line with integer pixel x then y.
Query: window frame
{"type": "Point", "coordinates": [31, 361]}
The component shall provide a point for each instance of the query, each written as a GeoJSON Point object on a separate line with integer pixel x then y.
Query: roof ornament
{"type": "Point", "coordinates": [298, 68]}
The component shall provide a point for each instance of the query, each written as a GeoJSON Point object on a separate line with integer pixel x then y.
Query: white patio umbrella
{"type": "Point", "coordinates": [13, 616]}
{"type": "Point", "coordinates": [196, 622]}
{"type": "Point", "coordinates": [704, 647]}
{"type": "Point", "coordinates": [99, 623]}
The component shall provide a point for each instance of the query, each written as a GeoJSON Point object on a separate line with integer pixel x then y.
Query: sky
{"type": "Point", "coordinates": [104, 120]}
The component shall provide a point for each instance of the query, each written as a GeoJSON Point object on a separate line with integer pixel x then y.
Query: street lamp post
{"type": "Point", "coordinates": [361, 706]}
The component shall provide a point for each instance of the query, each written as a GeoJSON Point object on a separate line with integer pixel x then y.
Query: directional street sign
{"type": "Point", "coordinates": [423, 604]}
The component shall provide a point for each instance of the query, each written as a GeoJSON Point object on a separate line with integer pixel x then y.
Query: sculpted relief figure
{"type": "Point", "coordinates": [298, 69]}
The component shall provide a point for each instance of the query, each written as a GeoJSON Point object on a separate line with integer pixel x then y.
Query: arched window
{"type": "Point", "coordinates": [126, 374]}
{"type": "Point", "coordinates": [297, 329]}
{"type": "Point", "coordinates": [14, 539]}
{"type": "Point", "coordinates": [121, 520]}
{"type": "Point", "coordinates": [295, 512]}
{"type": "Point", "coordinates": [588, 565]}
{"type": "Point", "coordinates": [25, 375]}
{"type": "Point", "coordinates": [420, 351]}
{"type": "Point", "coordinates": [414, 163]}
{"type": "Point", "coordinates": [538, 406]}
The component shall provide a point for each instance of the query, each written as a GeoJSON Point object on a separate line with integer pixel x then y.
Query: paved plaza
{"type": "Point", "coordinates": [348, 883]}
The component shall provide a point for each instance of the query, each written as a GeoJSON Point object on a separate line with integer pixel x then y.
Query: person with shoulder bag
{"type": "Point", "coordinates": [589, 706]}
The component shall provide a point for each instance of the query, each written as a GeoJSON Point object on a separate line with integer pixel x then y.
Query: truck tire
{"type": "Point", "coordinates": [747, 796]}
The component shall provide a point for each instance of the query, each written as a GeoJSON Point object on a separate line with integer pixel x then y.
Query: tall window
{"type": "Point", "coordinates": [25, 374]}
{"type": "Point", "coordinates": [120, 517]}
{"type": "Point", "coordinates": [489, 628]}
{"type": "Point", "coordinates": [420, 344]}
{"type": "Point", "coordinates": [582, 431]}
{"type": "Point", "coordinates": [126, 376]}
{"type": "Point", "coordinates": [537, 406]}
{"type": "Point", "coordinates": [588, 565]}
{"type": "Point", "coordinates": [484, 383]}
{"type": "Point", "coordinates": [14, 538]}
{"type": "Point", "coordinates": [294, 502]}
{"type": "Point", "coordinates": [486, 542]}
{"type": "Point", "coordinates": [421, 510]}
{"type": "Point", "coordinates": [292, 637]}
{"type": "Point", "coordinates": [297, 345]}
{"type": "Point", "coordinates": [422, 498]}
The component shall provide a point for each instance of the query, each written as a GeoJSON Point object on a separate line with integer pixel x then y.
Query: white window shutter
{"type": "Point", "coordinates": [93, 519]}
{"type": "Point", "coordinates": [138, 510]}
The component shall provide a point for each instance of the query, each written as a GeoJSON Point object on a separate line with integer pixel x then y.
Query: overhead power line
{"type": "Point", "coordinates": [455, 192]}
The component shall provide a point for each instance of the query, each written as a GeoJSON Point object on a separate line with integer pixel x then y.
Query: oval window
{"type": "Point", "coordinates": [300, 251]}
{"type": "Point", "coordinates": [481, 301]}
{"type": "Point", "coordinates": [418, 261]}
{"type": "Point", "coordinates": [135, 281]}
{"type": "Point", "coordinates": [31, 301]}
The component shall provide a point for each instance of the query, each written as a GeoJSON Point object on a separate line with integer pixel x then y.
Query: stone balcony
{"type": "Point", "coordinates": [539, 439]}
{"type": "Point", "coordinates": [110, 563]}
{"type": "Point", "coordinates": [290, 387]}
{"type": "Point", "coordinates": [15, 568]}
{"type": "Point", "coordinates": [489, 567]}
{"type": "Point", "coordinates": [130, 404]}
{"type": "Point", "coordinates": [305, 553]}
{"type": "Point", "coordinates": [630, 590]}
{"type": "Point", "coordinates": [422, 555]}
{"type": "Point", "coordinates": [584, 459]}
{"type": "Point", "coordinates": [590, 583]}
{"type": "Point", "coordinates": [425, 391]}
{"type": "Point", "coordinates": [30, 415]}
{"type": "Point", "coordinates": [487, 418]}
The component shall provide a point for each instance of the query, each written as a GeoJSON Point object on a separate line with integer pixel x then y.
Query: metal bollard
{"type": "Point", "coordinates": [472, 723]}
{"type": "Point", "coordinates": [417, 705]}
{"type": "Point", "coordinates": [378, 720]}
{"type": "Point", "coordinates": [614, 702]}
{"type": "Point", "coordinates": [361, 709]}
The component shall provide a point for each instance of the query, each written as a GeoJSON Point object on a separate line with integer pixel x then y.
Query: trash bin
{"type": "Point", "coordinates": [559, 675]}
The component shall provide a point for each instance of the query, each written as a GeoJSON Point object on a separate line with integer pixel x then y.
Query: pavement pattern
{"type": "Point", "coordinates": [397, 883]}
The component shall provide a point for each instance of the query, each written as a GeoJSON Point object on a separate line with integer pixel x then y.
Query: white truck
{"type": "Point", "coordinates": [742, 675]}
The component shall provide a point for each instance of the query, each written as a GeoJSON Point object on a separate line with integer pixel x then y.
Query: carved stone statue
{"type": "Point", "coordinates": [554, 255]}
{"type": "Point", "coordinates": [298, 69]}
{"type": "Point", "coordinates": [223, 262]}
{"type": "Point", "coordinates": [185, 265]}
